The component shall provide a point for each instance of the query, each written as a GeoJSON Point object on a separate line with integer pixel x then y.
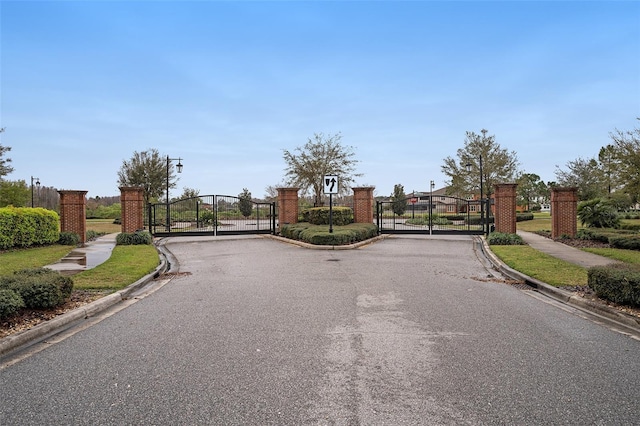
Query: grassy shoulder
{"type": "Point", "coordinates": [126, 265]}
{"type": "Point", "coordinates": [541, 266]}
{"type": "Point", "coordinates": [37, 257]}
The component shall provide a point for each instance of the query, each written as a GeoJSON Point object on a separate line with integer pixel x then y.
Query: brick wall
{"type": "Point", "coordinates": [73, 213]}
{"type": "Point", "coordinates": [564, 210]}
{"type": "Point", "coordinates": [505, 208]}
{"type": "Point", "coordinates": [132, 204]}
{"type": "Point", "coordinates": [363, 204]}
{"type": "Point", "coordinates": [287, 206]}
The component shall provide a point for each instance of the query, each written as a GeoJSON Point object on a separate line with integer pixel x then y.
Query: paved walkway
{"type": "Point", "coordinates": [92, 254]}
{"type": "Point", "coordinates": [563, 251]}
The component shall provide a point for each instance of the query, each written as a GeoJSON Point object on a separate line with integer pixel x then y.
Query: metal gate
{"type": "Point", "coordinates": [211, 215]}
{"type": "Point", "coordinates": [433, 214]}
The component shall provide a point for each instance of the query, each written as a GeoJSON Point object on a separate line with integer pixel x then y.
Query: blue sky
{"type": "Point", "coordinates": [227, 85]}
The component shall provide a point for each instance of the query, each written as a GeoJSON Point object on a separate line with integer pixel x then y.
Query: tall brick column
{"type": "Point", "coordinates": [132, 204]}
{"type": "Point", "coordinates": [287, 206]}
{"type": "Point", "coordinates": [505, 209]}
{"type": "Point", "coordinates": [73, 213]}
{"type": "Point", "coordinates": [363, 204]}
{"type": "Point", "coordinates": [564, 212]}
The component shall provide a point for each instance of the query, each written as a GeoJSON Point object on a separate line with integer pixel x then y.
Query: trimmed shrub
{"type": "Point", "coordinates": [134, 238]}
{"type": "Point", "coordinates": [591, 235]}
{"type": "Point", "coordinates": [628, 243]}
{"type": "Point", "coordinates": [521, 217]}
{"type": "Point", "coordinates": [320, 235]}
{"type": "Point", "coordinates": [39, 288]}
{"type": "Point", "coordinates": [619, 283]}
{"type": "Point", "coordinates": [504, 239]}
{"type": "Point", "coordinates": [69, 239]}
{"type": "Point", "coordinates": [476, 220]}
{"type": "Point", "coordinates": [25, 227]}
{"type": "Point", "coordinates": [10, 302]}
{"type": "Point", "coordinates": [320, 216]}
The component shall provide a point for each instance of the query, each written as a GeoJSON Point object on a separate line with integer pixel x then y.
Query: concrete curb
{"type": "Point", "coordinates": [319, 247]}
{"type": "Point", "coordinates": [64, 321]}
{"type": "Point", "coordinates": [613, 317]}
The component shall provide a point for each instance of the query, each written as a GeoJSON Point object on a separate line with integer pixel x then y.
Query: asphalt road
{"type": "Point", "coordinates": [406, 331]}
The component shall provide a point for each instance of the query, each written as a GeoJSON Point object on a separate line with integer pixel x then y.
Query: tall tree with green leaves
{"type": "Point", "coordinates": [399, 200]}
{"type": "Point", "coordinates": [627, 153]}
{"type": "Point", "coordinates": [584, 174]}
{"type": "Point", "coordinates": [498, 165]}
{"type": "Point", "coordinates": [5, 168]}
{"type": "Point", "coordinates": [245, 203]}
{"type": "Point", "coordinates": [147, 169]}
{"type": "Point", "coordinates": [14, 193]}
{"type": "Point", "coordinates": [531, 189]}
{"type": "Point", "coordinates": [321, 155]}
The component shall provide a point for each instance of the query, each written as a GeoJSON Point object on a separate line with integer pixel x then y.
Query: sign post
{"type": "Point", "coordinates": [330, 183]}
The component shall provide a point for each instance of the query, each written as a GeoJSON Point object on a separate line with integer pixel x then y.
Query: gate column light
{"type": "Point", "coordinates": [179, 167]}
{"type": "Point", "coordinates": [37, 184]}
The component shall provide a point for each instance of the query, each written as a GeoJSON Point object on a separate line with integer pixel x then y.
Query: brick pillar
{"type": "Point", "coordinates": [363, 204]}
{"type": "Point", "coordinates": [505, 209]}
{"type": "Point", "coordinates": [287, 206]}
{"type": "Point", "coordinates": [73, 213]}
{"type": "Point", "coordinates": [564, 211]}
{"type": "Point", "coordinates": [132, 203]}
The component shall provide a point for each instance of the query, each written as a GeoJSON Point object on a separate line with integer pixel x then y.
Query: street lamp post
{"type": "Point", "coordinates": [179, 167]}
{"type": "Point", "coordinates": [38, 185]}
{"type": "Point", "coordinates": [432, 184]}
{"type": "Point", "coordinates": [481, 193]}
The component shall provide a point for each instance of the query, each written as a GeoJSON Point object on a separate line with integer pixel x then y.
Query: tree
{"type": "Point", "coordinates": [584, 174]}
{"type": "Point", "coordinates": [245, 204]}
{"type": "Point", "coordinates": [530, 188]}
{"type": "Point", "coordinates": [498, 165]}
{"type": "Point", "coordinates": [320, 156]}
{"type": "Point", "coordinates": [607, 160]}
{"type": "Point", "coordinates": [15, 194]}
{"type": "Point", "coordinates": [148, 170]}
{"type": "Point", "coordinates": [627, 154]}
{"type": "Point", "coordinates": [5, 169]}
{"type": "Point", "coordinates": [399, 200]}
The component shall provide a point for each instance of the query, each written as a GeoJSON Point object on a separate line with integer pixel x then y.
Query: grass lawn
{"type": "Point", "coordinates": [126, 265]}
{"type": "Point", "coordinates": [541, 266]}
{"type": "Point", "coordinates": [103, 226]}
{"type": "Point", "coordinates": [17, 259]}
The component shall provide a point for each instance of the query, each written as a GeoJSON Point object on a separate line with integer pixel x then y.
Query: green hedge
{"type": "Point", "coordinates": [23, 227]}
{"type": "Point", "coordinates": [134, 238]}
{"type": "Point", "coordinates": [628, 243]}
{"type": "Point", "coordinates": [320, 216]}
{"type": "Point", "coordinates": [521, 217]}
{"type": "Point", "coordinates": [504, 239]}
{"type": "Point", "coordinates": [619, 283]}
{"type": "Point", "coordinates": [320, 235]}
{"type": "Point", "coordinates": [38, 288]}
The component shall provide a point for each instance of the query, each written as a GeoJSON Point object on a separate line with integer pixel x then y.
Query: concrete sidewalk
{"type": "Point", "coordinates": [563, 251]}
{"type": "Point", "coordinates": [92, 254]}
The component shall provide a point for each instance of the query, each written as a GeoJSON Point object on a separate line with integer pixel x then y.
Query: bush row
{"type": "Point", "coordinates": [619, 283]}
{"type": "Point", "coordinates": [22, 227]}
{"type": "Point", "coordinates": [134, 238]}
{"type": "Point", "coordinates": [38, 288]}
{"type": "Point", "coordinates": [628, 240]}
{"type": "Point", "coordinates": [320, 235]}
{"type": "Point", "coordinates": [320, 216]}
{"type": "Point", "coordinates": [504, 239]}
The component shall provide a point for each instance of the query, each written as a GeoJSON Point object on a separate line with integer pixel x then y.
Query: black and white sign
{"type": "Point", "coordinates": [330, 184]}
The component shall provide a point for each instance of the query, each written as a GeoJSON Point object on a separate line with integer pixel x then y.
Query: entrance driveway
{"type": "Point", "coordinates": [409, 330]}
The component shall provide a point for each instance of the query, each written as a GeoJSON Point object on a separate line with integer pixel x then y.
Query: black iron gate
{"type": "Point", "coordinates": [211, 215]}
{"type": "Point", "coordinates": [437, 214]}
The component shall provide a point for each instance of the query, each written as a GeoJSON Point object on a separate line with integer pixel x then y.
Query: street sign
{"type": "Point", "coordinates": [330, 184]}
